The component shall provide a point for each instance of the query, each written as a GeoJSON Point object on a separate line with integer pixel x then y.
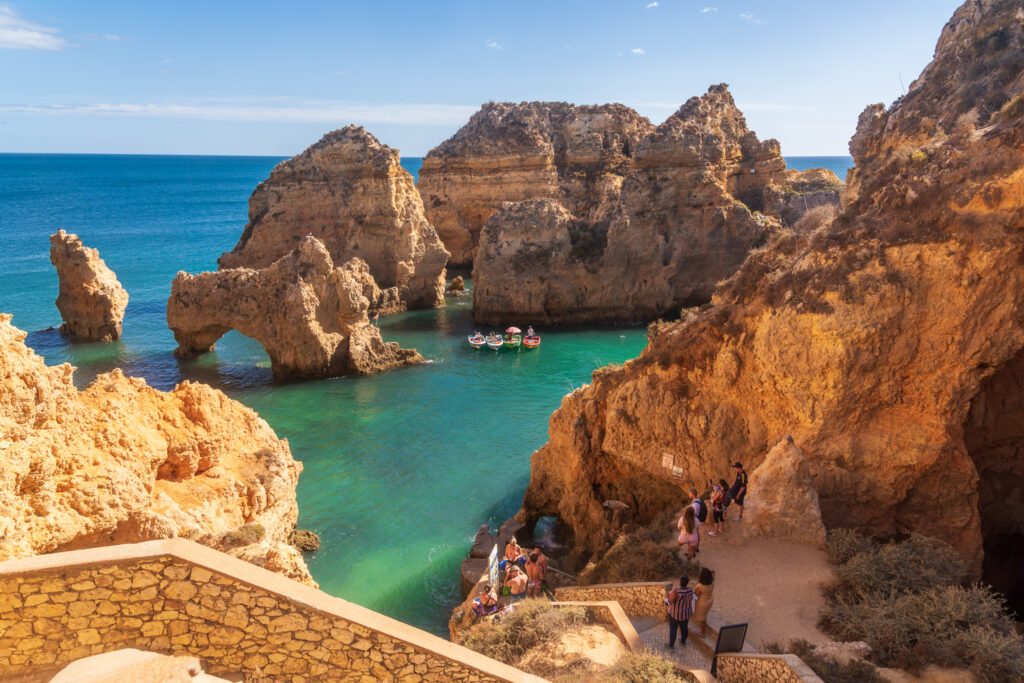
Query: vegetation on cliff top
{"type": "Point", "coordinates": [907, 602]}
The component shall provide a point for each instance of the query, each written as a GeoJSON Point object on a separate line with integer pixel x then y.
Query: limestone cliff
{"type": "Point", "coordinates": [803, 191]}
{"type": "Point", "coordinates": [90, 300]}
{"type": "Point", "coordinates": [309, 316]}
{"type": "Point", "coordinates": [121, 462]}
{"type": "Point", "coordinates": [684, 217]}
{"type": "Point", "coordinates": [350, 192]}
{"type": "Point", "coordinates": [510, 152]}
{"type": "Point", "coordinates": [889, 343]}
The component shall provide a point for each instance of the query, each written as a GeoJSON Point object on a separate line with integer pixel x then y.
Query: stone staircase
{"type": "Point", "coordinates": [698, 651]}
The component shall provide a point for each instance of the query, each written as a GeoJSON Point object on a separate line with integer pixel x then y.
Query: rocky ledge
{"type": "Point", "coordinates": [681, 216]}
{"type": "Point", "coordinates": [120, 462]}
{"type": "Point", "coordinates": [350, 192]}
{"type": "Point", "coordinates": [90, 300]}
{"type": "Point", "coordinates": [888, 343]}
{"type": "Point", "coordinates": [309, 316]}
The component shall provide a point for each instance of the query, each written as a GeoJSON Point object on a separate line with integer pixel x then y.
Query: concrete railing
{"type": "Point", "coordinates": [640, 599]}
{"type": "Point", "coordinates": [178, 597]}
{"type": "Point", "coordinates": [743, 667]}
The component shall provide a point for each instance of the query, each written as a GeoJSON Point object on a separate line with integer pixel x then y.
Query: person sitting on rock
{"type": "Point", "coordinates": [689, 533]}
{"type": "Point", "coordinates": [739, 488]}
{"type": "Point", "coordinates": [486, 601]}
{"type": "Point", "coordinates": [534, 575]}
{"type": "Point", "coordinates": [516, 580]}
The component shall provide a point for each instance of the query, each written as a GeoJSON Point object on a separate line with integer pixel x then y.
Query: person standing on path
{"type": "Point", "coordinates": [689, 532]}
{"type": "Point", "coordinates": [705, 592]}
{"type": "Point", "coordinates": [700, 509]}
{"type": "Point", "coordinates": [739, 488]}
{"type": "Point", "coordinates": [679, 607]}
{"type": "Point", "coordinates": [717, 508]}
{"type": "Point", "coordinates": [534, 575]}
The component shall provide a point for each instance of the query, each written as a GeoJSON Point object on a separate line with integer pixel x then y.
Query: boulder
{"type": "Point", "coordinates": [309, 316]}
{"type": "Point", "coordinates": [783, 502]}
{"type": "Point", "coordinates": [351, 193]}
{"type": "Point", "coordinates": [304, 540]}
{"type": "Point", "coordinates": [90, 300]}
{"type": "Point", "coordinates": [120, 462]}
{"type": "Point", "coordinates": [457, 285]}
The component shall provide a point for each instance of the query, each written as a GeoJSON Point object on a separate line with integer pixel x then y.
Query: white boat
{"type": "Point", "coordinates": [494, 342]}
{"type": "Point", "coordinates": [477, 341]}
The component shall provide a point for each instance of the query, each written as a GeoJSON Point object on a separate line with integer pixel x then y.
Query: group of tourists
{"type": "Point", "coordinates": [522, 575]}
{"type": "Point", "coordinates": [685, 603]}
{"type": "Point", "coordinates": [696, 513]}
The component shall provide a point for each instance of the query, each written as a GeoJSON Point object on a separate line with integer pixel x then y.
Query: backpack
{"type": "Point", "coordinates": [702, 511]}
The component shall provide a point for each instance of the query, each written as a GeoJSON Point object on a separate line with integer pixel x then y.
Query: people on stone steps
{"type": "Point", "coordinates": [705, 592]}
{"type": "Point", "coordinates": [739, 488]}
{"type": "Point", "coordinates": [679, 607]}
{"type": "Point", "coordinates": [689, 532]}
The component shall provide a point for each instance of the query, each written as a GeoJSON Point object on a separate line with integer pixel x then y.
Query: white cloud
{"type": "Point", "coordinates": [708, 10]}
{"type": "Point", "coordinates": [19, 34]}
{"type": "Point", "coordinates": [494, 45]}
{"type": "Point", "coordinates": [652, 5]}
{"type": "Point", "coordinates": [638, 51]}
{"type": "Point", "coordinates": [750, 18]}
{"type": "Point", "coordinates": [313, 112]}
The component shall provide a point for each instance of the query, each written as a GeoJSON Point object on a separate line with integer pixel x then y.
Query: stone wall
{"type": "Point", "coordinates": [177, 597]}
{"type": "Point", "coordinates": [742, 668]}
{"type": "Point", "coordinates": [636, 599]}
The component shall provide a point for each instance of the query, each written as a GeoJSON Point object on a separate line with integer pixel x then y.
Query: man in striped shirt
{"type": "Point", "coordinates": [679, 606]}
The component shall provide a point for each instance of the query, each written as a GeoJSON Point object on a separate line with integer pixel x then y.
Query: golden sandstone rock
{"type": "Point", "coordinates": [121, 462]}
{"type": "Point", "coordinates": [889, 344]}
{"type": "Point", "coordinates": [350, 192]}
{"type": "Point", "coordinates": [310, 316]}
{"type": "Point", "coordinates": [91, 300]}
{"type": "Point", "coordinates": [657, 230]}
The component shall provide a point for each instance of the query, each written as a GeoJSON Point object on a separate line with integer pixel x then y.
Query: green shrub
{"type": "Point", "coordinates": [948, 625]}
{"type": "Point", "coordinates": [247, 534]}
{"type": "Point", "coordinates": [919, 157]}
{"type": "Point", "coordinates": [531, 623]}
{"type": "Point", "coordinates": [637, 556]}
{"type": "Point", "coordinates": [917, 564]}
{"type": "Point", "coordinates": [842, 544]}
{"type": "Point", "coordinates": [642, 668]}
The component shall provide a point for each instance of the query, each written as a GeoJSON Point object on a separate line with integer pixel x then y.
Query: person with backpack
{"type": "Point", "coordinates": [679, 607]}
{"type": "Point", "coordinates": [700, 509]}
{"type": "Point", "coordinates": [718, 507]}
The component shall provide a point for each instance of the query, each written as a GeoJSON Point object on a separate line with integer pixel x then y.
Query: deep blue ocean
{"type": "Point", "coordinates": [401, 468]}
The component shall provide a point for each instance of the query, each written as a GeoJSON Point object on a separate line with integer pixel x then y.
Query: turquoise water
{"type": "Point", "coordinates": [401, 468]}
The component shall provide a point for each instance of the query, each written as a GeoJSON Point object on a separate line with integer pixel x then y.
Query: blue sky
{"type": "Point", "coordinates": [255, 77]}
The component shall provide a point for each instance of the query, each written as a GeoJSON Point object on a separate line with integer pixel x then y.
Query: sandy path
{"type": "Point", "coordinates": [773, 585]}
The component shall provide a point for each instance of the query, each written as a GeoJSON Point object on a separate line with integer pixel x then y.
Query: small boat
{"type": "Point", "coordinates": [531, 342]}
{"type": "Point", "coordinates": [477, 341]}
{"type": "Point", "coordinates": [512, 341]}
{"type": "Point", "coordinates": [494, 342]}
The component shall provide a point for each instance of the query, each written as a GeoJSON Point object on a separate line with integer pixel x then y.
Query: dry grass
{"type": "Point", "coordinates": [640, 555]}
{"type": "Point", "coordinates": [830, 669]}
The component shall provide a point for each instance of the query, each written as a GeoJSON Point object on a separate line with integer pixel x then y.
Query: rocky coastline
{"type": "Point", "coordinates": [91, 300]}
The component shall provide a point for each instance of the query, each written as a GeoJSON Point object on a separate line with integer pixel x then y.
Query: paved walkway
{"type": "Point", "coordinates": [654, 635]}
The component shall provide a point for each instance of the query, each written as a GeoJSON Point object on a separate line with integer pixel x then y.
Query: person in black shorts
{"type": "Point", "coordinates": [739, 488]}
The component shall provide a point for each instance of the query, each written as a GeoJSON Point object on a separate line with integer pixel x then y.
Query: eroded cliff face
{"type": "Point", "coordinates": [510, 152]}
{"type": "Point", "coordinates": [350, 192]}
{"type": "Point", "coordinates": [121, 462]}
{"type": "Point", "coordinates": [90, 300]}
{"type": "Point", "coordinates": [309, 316]}
{"type": "Point", "coordinates": [683, 217]}
{"type": "Point", "coordinates": [876, 342]}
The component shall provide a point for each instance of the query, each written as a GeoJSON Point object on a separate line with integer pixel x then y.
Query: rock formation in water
{"type": "Point", "coordinates": [513, 152]}
{"type": "Point", "coordinates": [682, 217]}
{"type": "Point", "coordinates": [889, 343]}
{"type": "Point", "coordinates": [120, 462]}
{"type": "Point", "coordinates": [350, 192]}
{"type": "Point", "coordinates": [803, 191]}
{"type": "Point", "coordinates": [91, 300]}
{"type": "Point", "coordinates": [309, 316]}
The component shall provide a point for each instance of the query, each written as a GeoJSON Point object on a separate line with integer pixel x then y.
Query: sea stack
{"type": "Point", "coordinates": [687, 207]}
{"type": "Point", "coordinates": [120, 462]}
{"type": "Point", "coordinates": [888, 343]}
{"type": "Point", "coordinates": [91, 301]}
{"type": "Point", "coordinates": [513, 152]}
{"type": "Point", "coordinates": [351, 193]}
{"type": "Point", "coordinates": [309, 316]}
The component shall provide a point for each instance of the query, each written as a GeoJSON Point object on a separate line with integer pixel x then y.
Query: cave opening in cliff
{"type": "Point", "coordinates": [994, 437]}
